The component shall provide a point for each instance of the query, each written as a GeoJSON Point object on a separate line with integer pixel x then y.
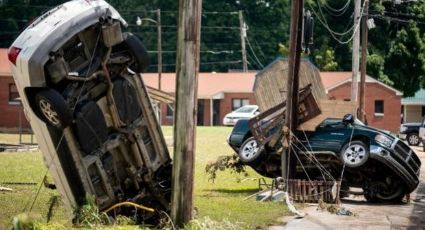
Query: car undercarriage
{"type": "Point", "coordinates": [101, 133]}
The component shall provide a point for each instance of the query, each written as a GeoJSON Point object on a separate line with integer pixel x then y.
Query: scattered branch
{"type": "Point", "coordinates": [225, 162]}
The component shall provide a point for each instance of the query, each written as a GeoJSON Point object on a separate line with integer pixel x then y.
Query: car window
{"type": "Point", "coordinates": [245, 109]}
{"type": "Point", "coordinates": [330, 122]}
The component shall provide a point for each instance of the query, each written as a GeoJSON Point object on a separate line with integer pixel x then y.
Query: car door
{"type": "Point", "coordinates": [330, 137]}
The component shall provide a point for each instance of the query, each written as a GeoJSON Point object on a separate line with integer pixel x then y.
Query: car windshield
{"type": "Point", "coordinates": [245, 109]}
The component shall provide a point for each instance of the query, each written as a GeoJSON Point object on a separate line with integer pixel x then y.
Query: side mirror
{"type": "Point", "coordinates": [348, 119]}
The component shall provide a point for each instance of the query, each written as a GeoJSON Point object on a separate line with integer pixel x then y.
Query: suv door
{"type": "Point", "coordinates": [329, 136]}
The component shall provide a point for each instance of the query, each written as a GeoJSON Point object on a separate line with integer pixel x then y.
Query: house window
{"type": "Point", "coordinates": [239, 102]}
{"type": "Point", "coordinates": [170, 110]}
{"type": "Point", "coordinates": [423, 111]}
{"type": "Point", "coordinates": [379, 108]}
{"type": "Point", "coordinates": [13, 95]}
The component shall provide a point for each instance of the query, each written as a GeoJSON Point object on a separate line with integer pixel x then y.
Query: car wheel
{"type": "Point", "coordinates": [250, 152]}
{"type": "Point", "coordinates": [413, 139]}
{"type": "Point", "coordinates": [354, 154]}
{"type": "Point", "coordinates": [387, 190]}
{"type": "Point", "coordinates": [138, 52]}
{"type": "Point", "coordinates": [52, 109]}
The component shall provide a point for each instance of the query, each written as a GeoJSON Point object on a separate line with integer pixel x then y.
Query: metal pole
{"type": "Point", "coordinates": [20, 121]}
{"type": "Point", "coordinates": [364, 63]}
{"type": "Point", "coordinates": [243, 46]}
{"type": "Point", "coordinates": [158, 24]}
{"type": "Point", "coordinates": [356, 50]}
{"type": "Point", "coordinates": [188, 45]}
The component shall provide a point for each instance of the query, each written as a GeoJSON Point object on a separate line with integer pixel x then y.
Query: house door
{"type": "Point", "coordinates": [216, 112]}
{"type": "Point", "coordinates": [201, 106]}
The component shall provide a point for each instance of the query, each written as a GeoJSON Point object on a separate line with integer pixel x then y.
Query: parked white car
{"type": "Point", "coordinates": [78, 77]}
{"type": "Point", "coordinates": [244, 112]}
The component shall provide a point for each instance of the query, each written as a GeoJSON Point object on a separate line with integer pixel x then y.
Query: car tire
{"type": "Point", "coordinates": [52, 109]}
{"type": "Point", "coordinates": [354, 154]}
{"type": "Point", "coordinates": [413, 139]}
{"type": "Point", "coordinates": [250, 152]}
{"type": "Point", "coordinates": [138, 52]}
{"type": "Point", "coordinates": [382, 192]}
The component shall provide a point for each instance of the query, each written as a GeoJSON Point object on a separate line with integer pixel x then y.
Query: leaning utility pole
{"type": "Point", "coordinates": [356, 50]}
{"type": "Point", "coordinates": [242, 28]}
{"type": "Point", "coordinates": [362, 113]}
{"type": "Point", "coordinates": [187, 68]}
{"type": "Point", "coordinates": [158, 24]}
{"type": "Point", "coordinates": [295, 50]}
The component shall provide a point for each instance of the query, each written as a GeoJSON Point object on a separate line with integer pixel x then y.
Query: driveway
{"type": "Point", "coordinates": [368, 216]}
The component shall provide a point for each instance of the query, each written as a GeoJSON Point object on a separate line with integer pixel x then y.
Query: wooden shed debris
{"type": "Point", "coordinates": [270, 84]}
{"type": "Point", "coordinates": [270, 92]}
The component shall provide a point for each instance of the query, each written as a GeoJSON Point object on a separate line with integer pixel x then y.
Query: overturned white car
{"type": "Point", "coordinates": [78, 77]}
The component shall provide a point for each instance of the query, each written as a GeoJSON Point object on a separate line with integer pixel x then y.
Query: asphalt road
{"type": "Point", "coordinates": [366, 215]}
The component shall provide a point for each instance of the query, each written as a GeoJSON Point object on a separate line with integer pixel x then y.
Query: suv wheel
{"type": "Point", "coordinates": [354, 154]}
{"type": "Point", "coordinates": [385, 190]}
{"type": "Point", "coordinates": [250, 152]}
{"type": "Point", "coordinates": [53, 109]}
{"type": "Point", "coordinates": [413, 139]}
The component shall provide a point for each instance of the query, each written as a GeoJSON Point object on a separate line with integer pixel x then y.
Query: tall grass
{"type": "Point", "coordinates": [218, 204]}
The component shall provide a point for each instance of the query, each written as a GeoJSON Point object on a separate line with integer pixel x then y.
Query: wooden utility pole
{"type": "Point", "coordinates": [295, 50]}
{"type": "Point", "coordinates": [158, 24]}
{"type": "Point", "coordinates": [187, 68]}
{"type": "Point", "coordinates": [362, 113]}
{"type": "Point", "coordinates": [356, 50]}
{"type": "Point", "coordinates": [242, 27]}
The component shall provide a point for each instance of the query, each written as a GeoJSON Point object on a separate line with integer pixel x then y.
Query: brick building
{"type": "Point", "coordinates": [221, 93]}
{"type": "Point", "coordinates": [382, 102]}
{"type": "Point", "coordinates": [11, 113]}
{"type": "Point", "coordinates": [218, 94]}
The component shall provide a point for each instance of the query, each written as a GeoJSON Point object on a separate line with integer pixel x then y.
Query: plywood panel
{"type": "Point", "coordinates": [271, 83]}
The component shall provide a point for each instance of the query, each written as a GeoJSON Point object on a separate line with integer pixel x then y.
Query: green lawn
{"type": "Point", "coordinates": [221, 200]}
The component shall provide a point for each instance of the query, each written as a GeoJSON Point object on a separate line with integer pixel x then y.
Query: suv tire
{"type": "Point", "coordinates": [413, 139]}
{"type": "Point", "coordinates": [354, 154]}
{"type": "Point", "coordinates": [250, 152]}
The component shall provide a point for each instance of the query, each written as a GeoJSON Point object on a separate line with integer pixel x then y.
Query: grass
{"type": "Point", "coordinates": [218, 201]}
{"type": "Point", "coordinates": [23, 168]}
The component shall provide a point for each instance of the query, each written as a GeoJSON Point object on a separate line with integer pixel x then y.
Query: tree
{"type": "Point", "coordinates": [405, 63]}
{"type": "Point", "coordinates": [326, 60]}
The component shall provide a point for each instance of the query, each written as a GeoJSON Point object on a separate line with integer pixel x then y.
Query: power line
{"type": "Point", "coordinates": [334, 34]}
{"type": "Point", "coordinates": [209, 63]}
{"type": "Point", "coordinates": [324, 21]}
{"type": "Point", "coordinates": [336, 12]}
{"type": "Point", "coordinates": [253, 53]}
{"type": "Point", "coordinates": [382, 17]}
